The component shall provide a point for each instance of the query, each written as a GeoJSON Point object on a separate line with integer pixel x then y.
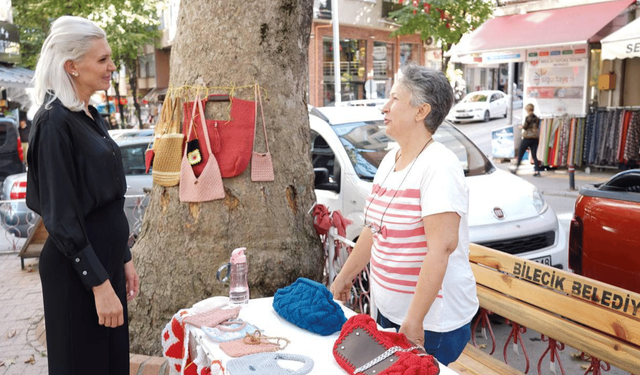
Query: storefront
{"type": "Point", "coordinates": [369, 60]}
{"type": "Point", "coordinates": [560, 53]}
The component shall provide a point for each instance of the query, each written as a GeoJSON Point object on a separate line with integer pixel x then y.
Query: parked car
{"type": "Point", "coordinates": [118, 134]}
{"type": "Point", "coordinates": [604, 239]}
{"type": "Point", "coordinates": [479, 106]}
{"type": "Point", "coordinates": [16, 217]}
{"type": "Point", "coordinates": [11, 154]}
{"type": "Point", "coordinates": [506, 212]}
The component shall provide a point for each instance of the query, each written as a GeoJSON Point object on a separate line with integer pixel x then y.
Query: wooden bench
{"type": "Point", "coordinates": [598, 319]}
{"type": "Point", "coordinates": [32, 247]}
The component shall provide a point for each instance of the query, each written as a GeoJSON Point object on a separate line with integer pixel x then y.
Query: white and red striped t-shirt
{"type": "Point", "coordinates": [434, 184]}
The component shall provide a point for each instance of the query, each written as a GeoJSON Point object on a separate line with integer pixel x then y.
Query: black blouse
{"type": "Point", "coordinates": [74, 168]}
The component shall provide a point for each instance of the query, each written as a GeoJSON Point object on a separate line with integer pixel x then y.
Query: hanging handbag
{"type": "Point", "coordinates": [232, 140]}
{"type": "Point", "coordinates": [168, 147]}
{"type": "Point", "coordinates": [261, 163]}
{"type": "Point", "coordinates": [148, 157]}
{"type": "Point", "coordinates": [207, 186]}
{"type": "Point", "coordinates": [363, 349]}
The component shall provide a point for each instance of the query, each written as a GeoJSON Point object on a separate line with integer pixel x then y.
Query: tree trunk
{"type": "Point", "coordinates": [181, 245]}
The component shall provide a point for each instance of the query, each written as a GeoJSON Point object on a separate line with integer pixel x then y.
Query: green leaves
{"type": "Point", "coordinates": [129, 24]}
{"type": "Point", "coordinates": [444, 20]}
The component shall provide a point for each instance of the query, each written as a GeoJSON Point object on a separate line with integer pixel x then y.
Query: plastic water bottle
{"type": "Point", "coordinates": [239, 288]}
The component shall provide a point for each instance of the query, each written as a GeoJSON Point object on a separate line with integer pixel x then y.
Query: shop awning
{"type": "Point", "coordinates": [622, 44]}
{"type": "Point", "coordinates": [548, 28]}
{"type": "Point", "coordinates": [11, 76]}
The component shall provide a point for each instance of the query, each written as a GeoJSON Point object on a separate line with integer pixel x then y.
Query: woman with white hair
{"type": "Point", "coordinates": [76, 183]}
{"type": "Point", "coordinates": [416, 234]}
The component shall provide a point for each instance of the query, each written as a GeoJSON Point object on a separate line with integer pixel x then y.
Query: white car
{"type": "Point", "coordinates": [479, 105]}
{"type": "Point", "coordinates": [506, 212]}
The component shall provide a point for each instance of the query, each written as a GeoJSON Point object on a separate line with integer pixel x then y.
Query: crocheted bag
{"type": "Point", "coordinates": [362, 349]}
{"type": "Point", "coordinates": [213, 317]}
{"type": "Point", "coordinates": [229, 331]}
{"type": "Point", "coordinates": [309, 305]}
{"type": "Point", "coordinates": [252, 344]}
{"type": "Point", "coordinates": [267, 363]}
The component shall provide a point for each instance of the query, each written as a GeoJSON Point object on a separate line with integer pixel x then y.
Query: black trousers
{"type": "Point", "coordinates": [531, 144]}
{"type": "Point", "coordinates": [76, 343]}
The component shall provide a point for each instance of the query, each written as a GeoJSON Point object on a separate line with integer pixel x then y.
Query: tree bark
{"type": "Point", "coordinates": [181, 245]}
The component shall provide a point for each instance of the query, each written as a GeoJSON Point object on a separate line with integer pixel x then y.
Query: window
{"type": "Point", "coordinates": [353, 54]}
{"type": "Point", "coordinates": [325, 166]}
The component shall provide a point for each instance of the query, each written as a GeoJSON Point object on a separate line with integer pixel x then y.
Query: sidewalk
{"type": "Point", "coordinates": [22, 350]}
{"type": "Point", "coordinates": [556, 183]}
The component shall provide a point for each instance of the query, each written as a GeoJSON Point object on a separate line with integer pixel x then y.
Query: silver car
{"type": "Point", "coordinates": [18, 220]}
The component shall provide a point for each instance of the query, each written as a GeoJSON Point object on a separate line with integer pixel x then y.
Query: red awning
{"type": "Point", "coordinates": [547, 28]}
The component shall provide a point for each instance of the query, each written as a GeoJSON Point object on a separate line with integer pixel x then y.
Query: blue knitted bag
{"type": "Point", "coordinates": [309, 305]}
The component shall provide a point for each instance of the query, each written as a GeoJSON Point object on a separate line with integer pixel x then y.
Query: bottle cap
{"type": "Point", "coordinates": [237, 256]}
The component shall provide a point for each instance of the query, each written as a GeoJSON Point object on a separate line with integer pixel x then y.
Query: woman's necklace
{"type": "Point", "coordinates": [381, 228]}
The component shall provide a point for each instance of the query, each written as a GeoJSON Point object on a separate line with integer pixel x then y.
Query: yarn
{"type": "Point", "coordinates": [309, 305]}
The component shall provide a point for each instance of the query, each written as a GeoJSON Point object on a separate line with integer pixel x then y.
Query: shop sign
{"type": "Point", "coordinates": [557, 52]}
{"type": "Point", "coordinates": [503, 57]}
{"type": "Point", "coordinates": [9, 43]}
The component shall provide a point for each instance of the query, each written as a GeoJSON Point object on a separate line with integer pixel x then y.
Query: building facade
{"type": "Point", "coordinates": [369, 56]}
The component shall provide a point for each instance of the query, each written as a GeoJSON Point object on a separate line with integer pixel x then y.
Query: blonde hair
{"type": "Point", "coordinates": [70, 39]}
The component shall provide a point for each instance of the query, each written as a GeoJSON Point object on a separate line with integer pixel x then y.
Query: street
{"type": "Point", "coordinates": [554, 186]}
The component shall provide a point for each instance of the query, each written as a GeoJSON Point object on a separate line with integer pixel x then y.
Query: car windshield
{"type": "Point", "coordinates": [476, 98]}
{"type": "Point", "coordinates": [367, 143]}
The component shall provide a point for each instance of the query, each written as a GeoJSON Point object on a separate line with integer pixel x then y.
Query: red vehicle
{"type": "Point", "coordinates": [604, 241]}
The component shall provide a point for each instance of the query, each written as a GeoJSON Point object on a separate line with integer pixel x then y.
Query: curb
{"type": "Point", "coordinates": [146, 365]}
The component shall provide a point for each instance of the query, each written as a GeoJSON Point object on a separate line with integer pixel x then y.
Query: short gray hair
{"type": "Point", "coordinates": [70, 39]}
{"type": "Point", "coordinates": [428, 86]}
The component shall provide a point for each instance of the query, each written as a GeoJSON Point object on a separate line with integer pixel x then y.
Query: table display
{"type": "Point", "coordinates": [296, 345]}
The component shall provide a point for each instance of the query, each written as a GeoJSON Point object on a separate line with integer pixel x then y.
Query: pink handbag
{"type": "Point", "coordinates": [261, 163]}
{"type": "Point", "coordinates": [208, 186]}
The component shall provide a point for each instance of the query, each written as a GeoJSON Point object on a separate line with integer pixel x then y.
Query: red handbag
{"type": "Point", "coordinates": [363, 349]}
{"type": "Point", "coordinates": [231, 140]}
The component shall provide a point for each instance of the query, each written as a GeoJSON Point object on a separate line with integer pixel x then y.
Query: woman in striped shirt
{"type": "Point", "coordinates": [416, 234]}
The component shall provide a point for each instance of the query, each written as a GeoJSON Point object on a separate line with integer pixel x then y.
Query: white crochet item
{"type": "Point", "coordinates": [267, 363]}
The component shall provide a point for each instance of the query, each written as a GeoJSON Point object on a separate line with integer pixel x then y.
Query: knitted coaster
{"type": "Point", "coordinates": [309, 305]}
{"type": "Point", "coordinates": [267, 363]}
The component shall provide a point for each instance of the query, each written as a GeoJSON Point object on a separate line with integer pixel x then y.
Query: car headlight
{"type": "Point", "coordinates": [538, 201]}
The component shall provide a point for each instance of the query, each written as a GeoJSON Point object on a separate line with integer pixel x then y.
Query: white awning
{"type": "Point", "coordinates": [622, 44]}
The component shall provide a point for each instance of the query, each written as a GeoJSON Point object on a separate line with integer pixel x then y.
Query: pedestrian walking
{"type": "Point", "coordinates": [76, 183]}
{"type": "Point", "coordinates": [530, 139]}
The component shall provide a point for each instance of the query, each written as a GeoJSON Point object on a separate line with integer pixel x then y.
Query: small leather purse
{"type": "Point", "coordinates": [261, 162]}
{"type": "Point", "coordinates": [363, 349]}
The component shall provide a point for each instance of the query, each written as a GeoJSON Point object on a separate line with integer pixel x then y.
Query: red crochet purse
{"type": "Point", "coordinates": [363, 349]}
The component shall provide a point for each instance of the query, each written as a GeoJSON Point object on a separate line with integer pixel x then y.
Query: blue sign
{"type": "Point", "coordinates": [502, 143]}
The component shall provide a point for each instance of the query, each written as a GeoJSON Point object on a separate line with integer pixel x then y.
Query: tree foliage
{"type": "Point", "coordinates": [129, 24]}
{"type": "Point", "coordinates": [443, 20]}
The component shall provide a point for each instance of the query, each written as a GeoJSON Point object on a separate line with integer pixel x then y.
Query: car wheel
{"type": "Point", "coordinates": [487, 116]}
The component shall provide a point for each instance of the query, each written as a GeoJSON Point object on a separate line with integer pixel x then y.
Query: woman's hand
{"type": "Point", "coordinates": [341, 289]}
{"type": "Point", "coordinates": [413, 330]}
{"type": "Point", "coordinates": [108, 306]}
{"type": "Point", "coordinates": [133, 280]}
